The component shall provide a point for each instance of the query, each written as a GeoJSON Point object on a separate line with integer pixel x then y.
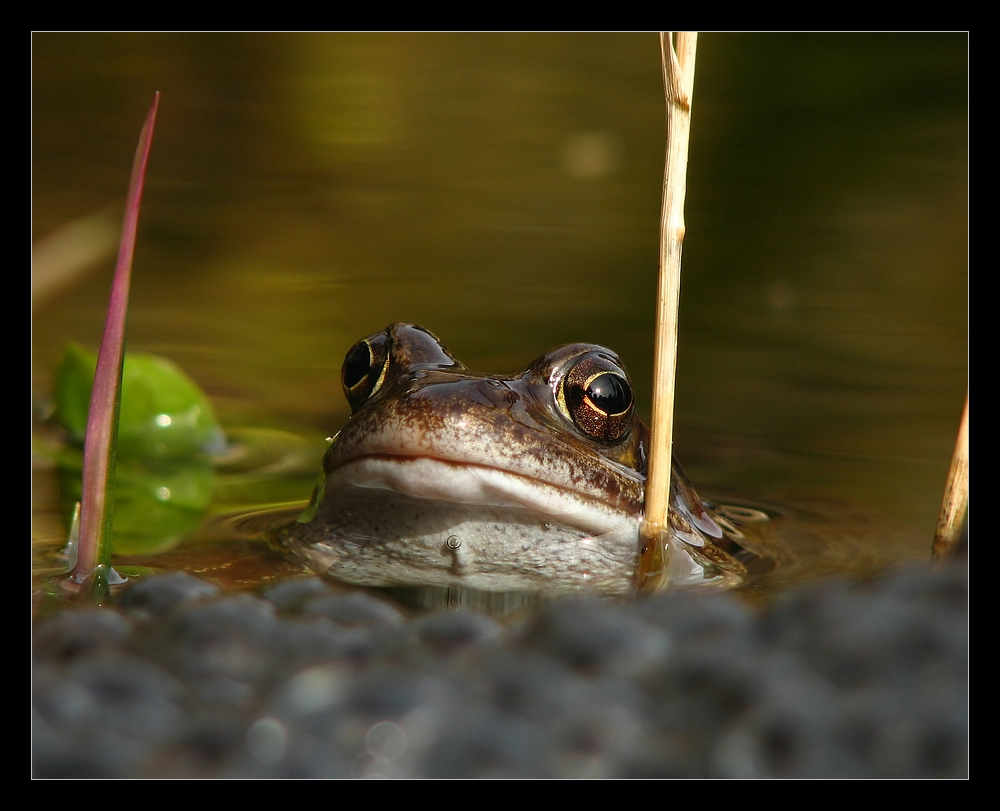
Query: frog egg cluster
{"type": "Point", "coordinates": [837, 679]}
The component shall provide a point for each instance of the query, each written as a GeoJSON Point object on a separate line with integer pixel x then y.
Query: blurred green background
{"type": "Point", "coordinates": [503, 190]}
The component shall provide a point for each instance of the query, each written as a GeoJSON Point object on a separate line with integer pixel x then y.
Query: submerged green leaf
{"type": "Point", "coordinates": [167, 434]}
{"type": "Point", "coordinates": [156, 502]}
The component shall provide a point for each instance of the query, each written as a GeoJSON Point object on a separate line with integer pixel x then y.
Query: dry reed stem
{"type": "Point", "coordinates": [947, 538]}
{"type": "Point", "coordinates": [678, 83]}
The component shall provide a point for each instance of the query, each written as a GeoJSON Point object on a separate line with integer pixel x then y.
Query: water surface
{"type": "Point", "coordinates": [503, 190]}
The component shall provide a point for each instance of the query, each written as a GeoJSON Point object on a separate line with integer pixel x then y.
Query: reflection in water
{"type": "Point", "coordinates": [504, 190]}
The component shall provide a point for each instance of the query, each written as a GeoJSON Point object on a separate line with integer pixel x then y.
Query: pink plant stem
{"type": "Point", "coordinates": [102, 420]}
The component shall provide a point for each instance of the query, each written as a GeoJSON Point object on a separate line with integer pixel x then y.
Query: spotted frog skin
{"type": "Point", "coordinates": [530, 483]}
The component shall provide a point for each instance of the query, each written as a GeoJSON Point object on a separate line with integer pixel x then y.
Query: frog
{"type": "Point", "coordinates": [533, 482]}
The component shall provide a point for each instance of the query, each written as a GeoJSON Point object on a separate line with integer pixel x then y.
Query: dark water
{"type": "Point", "coordinates": [503, 190]}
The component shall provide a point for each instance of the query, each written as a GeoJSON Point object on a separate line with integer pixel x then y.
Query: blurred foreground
{"type": "Point", "coordinates": [837, 679]}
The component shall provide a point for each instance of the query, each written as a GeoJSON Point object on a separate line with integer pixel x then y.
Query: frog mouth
{"type": "Point", "coordinates": [420, 520]}
{"type": "Point", "coordinates": [433, 479]}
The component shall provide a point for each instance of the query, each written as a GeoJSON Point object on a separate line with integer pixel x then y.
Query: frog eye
{"type": "Point", "coordinates": [597, 396]}
{"type": "Point", "coordinates": [364, 370]}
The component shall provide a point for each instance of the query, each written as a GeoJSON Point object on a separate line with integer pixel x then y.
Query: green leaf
{"type": "Point", "coordinates": [164, 414]}
{"type": "Point", "coordinates": [167, 432]}
{"type": "Point", "coordinates": [156, 502]}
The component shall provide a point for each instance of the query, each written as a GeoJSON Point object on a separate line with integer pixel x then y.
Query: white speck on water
{"type": "Point", "coordinates": [781, 296]}
{"type": "Point", "coordinates": [590, 155]}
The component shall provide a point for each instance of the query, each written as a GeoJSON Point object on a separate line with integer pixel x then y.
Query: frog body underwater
{"type": "Point", "coordinates": [530, 483]}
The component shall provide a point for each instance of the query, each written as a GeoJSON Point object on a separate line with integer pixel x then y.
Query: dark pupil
{"type": "Point", "coordinates": [609, 393]}
{"type": "Point", "coordinates": [357, 364]}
